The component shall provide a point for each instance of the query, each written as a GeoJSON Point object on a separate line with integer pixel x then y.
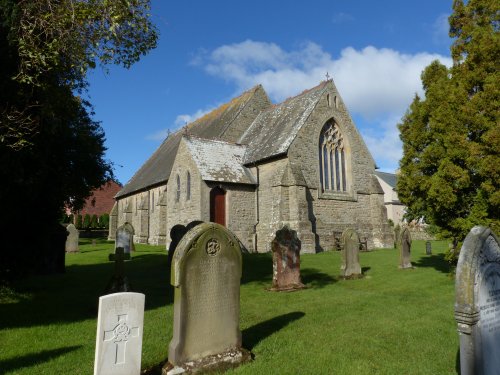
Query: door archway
{"type": "Point", "coordinates": [218, 206]}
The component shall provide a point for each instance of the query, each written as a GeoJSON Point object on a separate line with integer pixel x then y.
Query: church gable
{"type": "Point", "coordinates": [228, 122]}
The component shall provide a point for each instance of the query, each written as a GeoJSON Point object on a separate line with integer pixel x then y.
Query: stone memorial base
{"type": "Point", "coordinates": [354, 276]}
{"type": "Point", "coordinates": [118, 285]}
{"type": "Point", "coordinates": [213, 363]}
{"type": "Point", "coordinates": [406, 267]}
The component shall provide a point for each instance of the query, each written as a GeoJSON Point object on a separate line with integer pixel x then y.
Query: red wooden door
{"type": "Point", "coordinates": [218, 206]}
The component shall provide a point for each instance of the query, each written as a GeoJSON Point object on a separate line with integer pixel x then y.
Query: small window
{"type": "Point", "coordinates": [328, 100]}
{"type": "Point", "coordinates": [188, 186]}
{"type": "Point", "coordinates": [178, 193]}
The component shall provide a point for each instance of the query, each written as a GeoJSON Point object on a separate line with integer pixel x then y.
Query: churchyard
{"type": "Point", "coordinates": [391, 321]}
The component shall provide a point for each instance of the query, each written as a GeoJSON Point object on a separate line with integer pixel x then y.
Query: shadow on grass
{"type": "Point", "coordinates": [313, 278]}
{"type": "Point", "coordinates": [435, 261]}
{"type": "Point", "coordinates": [255, 334]}
{"type": "Point", "coordinates": [31, 359]}
{"type": "Point", "coordinates": [364, 270]}
{"type": "Point", "coordinates": [257, 267]}
{"type": "Point", "coordinates": [74, 295]}
{"type": "Point", "coordinates": [457, 361]}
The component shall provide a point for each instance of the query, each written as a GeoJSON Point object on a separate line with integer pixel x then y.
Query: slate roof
{"type": "Point", "coordinates": [274, 130]}
{"type": "Point", "coordinates": [219, 160]}
{"type": "Point", "coordinates": [389, 178]}
{"type": "Point", "coordinates": [156, 170]}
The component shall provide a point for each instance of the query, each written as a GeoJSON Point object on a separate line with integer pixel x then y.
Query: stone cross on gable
{"type": "Point", "coordinates": [120, 335]}
{"type": "Point", "coordinates": [327, 76]}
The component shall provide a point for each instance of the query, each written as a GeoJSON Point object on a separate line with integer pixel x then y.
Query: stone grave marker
{"type": "Point", "coordinates": [119, 334]}
{"type": "Point", "coordinates": [405, 249]}
{"type": "Point", "coordinates": [397, 236]}
{"type": "Point", "coordinates": [119, 282]}
{"type": "Point", "coordinates": [72, 239]}
{"type": "Point", "coordinates": [286, 261]}
{"type": "Point", "coordinates": [206, 272]}
{"type": "Point", "coordinates": [477, 303]}
{"type": "Point", "coordinates": [176, 233]}
{"type": "Point", "coordinates": [428, 248]}
{"type": "Point", "coordinates": [125, 239]}
{"type": "Point", "coordinates": [350, 268]}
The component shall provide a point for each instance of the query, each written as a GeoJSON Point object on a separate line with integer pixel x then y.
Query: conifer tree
{"type": "Point", "coordinates": [450, 169]}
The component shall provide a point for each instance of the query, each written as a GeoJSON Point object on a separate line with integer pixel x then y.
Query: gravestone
{"type": "Point", "coordinates": [176, 233]}
{"type": "Point", "coordinates": [119, 282]}
{"type": "Point", "coordinates": [350, 268]}
{"type": "Point", "coordinates": [72, 239]}
{"type": "Point", "coordinates": [286, 261]}
{"type": "Point", "coordinates": [119, 334]}
{"type": "Point", "coordinates": [428, 248]}
{"type": "Point", "coordinates": [477, 303]}
{"type": "Point", "coordinates": [405, 249]}
{"type": "Point", "coordinates": [206, 272]}
{"type": "Point", "coordinates": [125, 239]}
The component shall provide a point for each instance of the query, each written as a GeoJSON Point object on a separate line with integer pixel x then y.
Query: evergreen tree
{"type": "Point", "coordinates": [450, 169]}
{"type": "Point", "coordinates": [51, 150]}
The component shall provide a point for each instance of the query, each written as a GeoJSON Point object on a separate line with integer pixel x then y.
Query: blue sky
{"type": "Point", "coordinates": [211, 51]}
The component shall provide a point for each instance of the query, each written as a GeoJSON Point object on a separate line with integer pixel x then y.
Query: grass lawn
{"type": "Point", "coordinates": [390, 322]}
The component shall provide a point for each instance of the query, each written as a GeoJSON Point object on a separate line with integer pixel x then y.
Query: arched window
{"type": "Point", "coordinates": [178, 192]}
{"type": "Point", "coordinates": [332, 170]}
{"type": "Point", "coordinates": [188, 186]}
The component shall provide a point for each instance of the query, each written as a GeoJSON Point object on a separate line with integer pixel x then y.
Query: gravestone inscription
{"type": "Point", "coordinates": [206, 272]}
{"type": "Point", "coordinates": [119, 334]}
{"type": "Point", "coordinates": [72, 239]}
{"type": "Point", "coordinates": [125, 239]}
{"type": "Point", "coordinates": [350, 268]}
{"type": "Point", "coordinates": [286, 261]}
{"type": "Point", "coordinates": [405, 249]}
{"type": "Point", "coordinates": [477, 303]}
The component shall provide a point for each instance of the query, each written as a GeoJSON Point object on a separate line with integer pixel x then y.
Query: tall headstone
{"type": "Point", "coordinates": [428, 248]}
{"type": "Point", "coordinates": [176, 233]}
{"type": "Point", "coordinates": [405, 249]}
{"type": "Point", "coordinates": [119, 334]}
{"type": "Point", "coordinates": [72, 239]}
{"type": "Point", "coordinates": [477, 303]}
{"type": "Point", "coordinates": [125, 238]}
{"type": "Point", "coordinates": [286, 261]}
{"type": "Point", "coordinates": [350, 268]}
{"type": "Point", "coordinates": [206, 272]}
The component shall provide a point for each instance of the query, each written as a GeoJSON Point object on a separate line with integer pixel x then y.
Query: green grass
{"type": "Point", "coordinates": [390, 322]}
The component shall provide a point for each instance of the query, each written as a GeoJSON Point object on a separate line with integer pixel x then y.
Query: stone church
{"type": "Point", "coordinates": [254, 166]}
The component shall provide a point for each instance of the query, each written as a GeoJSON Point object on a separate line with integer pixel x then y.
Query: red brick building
{"type": "Point", "coordinates": [101, 200]}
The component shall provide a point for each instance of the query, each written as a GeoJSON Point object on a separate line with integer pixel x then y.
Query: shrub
{"type": "Point", "coordinates": [79, 222]}
{"type": "Point", "coordinates": [86, 221]}
{"type": "Point", "coordinates": [94, 224]}
{"type": "Point", "coordinates": [104, 221]}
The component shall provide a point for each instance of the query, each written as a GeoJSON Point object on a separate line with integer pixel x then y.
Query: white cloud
{"type": "Point", "coordinates": [377, 84]}
{"type": "Point", "coordinates": [179, 122]}
{"type": "Point", "coordinates": [341, 17]}
{"type": "Point", "coordinates": [440, 30]}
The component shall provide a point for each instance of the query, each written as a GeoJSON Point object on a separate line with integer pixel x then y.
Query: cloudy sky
{"type": "Point", "coordinates": [211, 51]}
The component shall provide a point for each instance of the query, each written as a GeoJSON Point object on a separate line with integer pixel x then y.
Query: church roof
{"type": "Point", "coordinates": [219, 161]}
{"type": "Point", "coordinates": [389, 178]}
{"type": "Point", "coordinates": [156, 170]}
{"type": "Point", "coordinates": [274, 130]}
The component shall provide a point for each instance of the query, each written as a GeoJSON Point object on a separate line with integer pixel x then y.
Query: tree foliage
{"type": "Point", "coordinates": [51, 150]}
{"type": "Point", "coordinates": [450, 169]}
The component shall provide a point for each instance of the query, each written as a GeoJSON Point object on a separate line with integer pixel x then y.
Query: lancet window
{"type": "Point", "coordinates": [332, 155]}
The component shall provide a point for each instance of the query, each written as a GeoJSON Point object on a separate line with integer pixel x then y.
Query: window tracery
{"type": "Point", "coordinates": [332, 159]}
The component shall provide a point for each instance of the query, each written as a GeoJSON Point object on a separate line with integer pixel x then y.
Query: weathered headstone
{"type": "Point", "coordinates": [119, 334]}
{"type": "Point", "coordinates": [405, 249]}
{"type": "Point", "coordinates": [119, 282]}
{"type": "Point", "coordinates": [428, 248]}
{"type": "Point", "coordinates": [125, 239]}
{"type": "Point", "coordinates": [477, 303]}
{"type": "Point", "coordinates": [206, 272]}
{"type": "Point", "coordinates": [286, 261]}
{"type": "Point", "coordinates": [350, 268]}
{"type": "Point", "coordinates": [72, 239]}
